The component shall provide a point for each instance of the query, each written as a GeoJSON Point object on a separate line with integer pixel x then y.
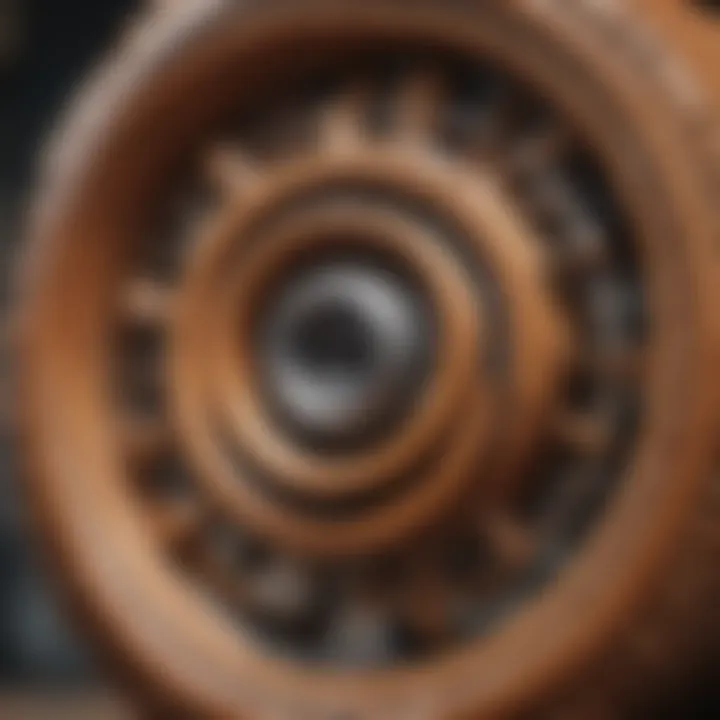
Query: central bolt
{"type": "Point", "coordinates": [335, 339]}
{"type": "Point", "coordinates": [345, 347]}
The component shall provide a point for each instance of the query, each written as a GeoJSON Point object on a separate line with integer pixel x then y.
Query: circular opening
{"type": "Point", "coordinates": [332, 339]}
{"type": "Point", "coordinates": [343, 343]}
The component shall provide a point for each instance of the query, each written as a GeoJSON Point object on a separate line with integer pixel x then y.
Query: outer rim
{"type": "Point", "coordinates": [495, 691]}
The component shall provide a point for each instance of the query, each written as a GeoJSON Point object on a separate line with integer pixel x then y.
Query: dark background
{"type": "Point", "coordinates": [46, 46]}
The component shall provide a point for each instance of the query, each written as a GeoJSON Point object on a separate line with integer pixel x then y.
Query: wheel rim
{"type": "Point", "coordinates": [443, 659]}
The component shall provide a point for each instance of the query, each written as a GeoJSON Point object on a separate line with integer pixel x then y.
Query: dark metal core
{"type": "Point", "coordinates": [345, 348]}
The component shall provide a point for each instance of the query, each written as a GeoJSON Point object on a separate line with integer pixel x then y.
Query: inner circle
{"type": "Point", "coordinates": [334, 340]}
{"type": "Point", "coordinates": [345, 346]}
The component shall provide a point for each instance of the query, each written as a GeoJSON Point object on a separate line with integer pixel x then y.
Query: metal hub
{"type": "Point", "coordinates": [346, 346]}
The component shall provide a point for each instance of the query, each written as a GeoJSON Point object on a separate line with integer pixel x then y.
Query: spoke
{"type": "Point", "coordinates": [342, 124]}
{"type": "Point", "coordinates": [583, 247]}
{"type": "Point", "coordinates": [418, 106]}
{"type": "Point", "coordinates": [179, 524]}
{"type": "Point", "coordinates": [496, 129]}
{"type": "Point", "coordinates": [364, 634]}
{"type": "Point", "coordinates": [580, 257]}
{"type": "Point", "coordinates": [147, 302]}
{"type": "Point", "coordinates": [218, 567]}
{"type": "Point", "coordinates": [536, 154]}
{"type": "Point", "coordinates": [424, 605]}
{"type": "Point", "coordinates": [587, 433]}
{"type": "Point", "coordinates": [145, 440]}
{"type": "Point", "coordinates": [621, 364]}
{"type": "Point", "coordinates": [568, 264]}
{"type": "Point", "coordinates": [577, 486]}
{"type": "Point", "coordinates": [281, 590]}
{"type": "Point", "coordinates": [271, 589]}
{"type": "Point", "coordinates": [230, 170]}
{"type": "Point", "coordinates": [511, 542]}
{"type": "Point", "coordinates": [627, 364]}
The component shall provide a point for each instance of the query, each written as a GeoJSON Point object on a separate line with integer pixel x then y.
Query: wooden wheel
{"type": "Point", "coordinates": [368, 358]}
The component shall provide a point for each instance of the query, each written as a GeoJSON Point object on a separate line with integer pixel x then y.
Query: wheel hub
{"type": "Point", "coordinates": [378, 454]}
{"type": "Point", "coordinates": [346, 347]}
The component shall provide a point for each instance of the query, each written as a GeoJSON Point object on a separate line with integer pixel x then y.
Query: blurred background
{"type": "Point", "coordinates": [46, 47]}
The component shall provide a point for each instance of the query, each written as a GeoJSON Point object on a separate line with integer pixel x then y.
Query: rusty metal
{"type": "Point", "coordinates": [543, 176]}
